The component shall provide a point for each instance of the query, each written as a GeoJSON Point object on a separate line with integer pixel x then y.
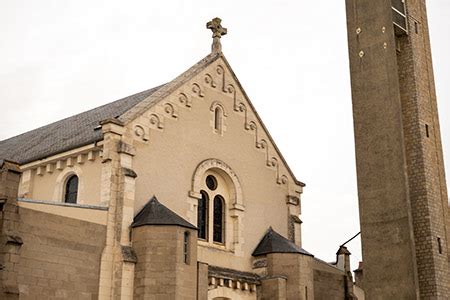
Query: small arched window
{"type": "Point", "coordinates": [219, 219]}
{"type": "Point", "coordinates": [71, 191]}
{"type": "Point", "coordinates": [218, 119]}
{"type": "Point", "coordinates": [202, 216]}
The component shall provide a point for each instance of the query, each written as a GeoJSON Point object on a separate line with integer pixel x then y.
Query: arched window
{"type": "Point", "coordinates": [202, 216]}
{"type": "Point", "coordinates": [71, 191]}
{"type": "Point", "coordinates": [219, 219]}
{"type": "Point", "coordinates": [218, 119]}
{"type": "Point", "coordinates": [211, 206]}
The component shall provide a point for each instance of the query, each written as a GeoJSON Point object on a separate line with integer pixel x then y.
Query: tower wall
{"type": "Point", "coordinates": [161, 271]}
{"type": "Point", "coordinates": [401, 181]}
{"type": "Point", "coordinates": [298, 271]}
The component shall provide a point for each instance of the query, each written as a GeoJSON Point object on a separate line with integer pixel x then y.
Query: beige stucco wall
{"type": "Point", "coordinates": [93, 215]}
{"type": "Point", "coordinates": [46, 181]}
{"type": "Point", "coordinates": [169, 151]}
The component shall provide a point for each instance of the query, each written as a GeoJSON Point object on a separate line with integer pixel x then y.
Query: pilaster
{"type": "Point", "coordinates": [117, 191]}
{"type": "Point", "coordinates": [10, 241]}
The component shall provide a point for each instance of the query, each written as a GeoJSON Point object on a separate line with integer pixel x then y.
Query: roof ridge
{"type": "Point", "coordinates": [168, 88]}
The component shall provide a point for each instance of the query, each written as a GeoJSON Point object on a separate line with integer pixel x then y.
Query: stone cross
{"type": "Point", "coordinates": [218, 31]}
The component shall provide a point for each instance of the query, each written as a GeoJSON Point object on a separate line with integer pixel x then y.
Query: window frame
{"type": "Point", "coordinates": [222, 219]}
{"type": "Point", "coordinates": [206, 216]}
{"type": "Point", "coordinates": [68, 193]}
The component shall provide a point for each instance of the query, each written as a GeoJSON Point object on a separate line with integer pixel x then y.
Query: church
{"type": "Point", "coordinates": [180, 192]}
{"type": "Point", "coordinates": [149, 197]}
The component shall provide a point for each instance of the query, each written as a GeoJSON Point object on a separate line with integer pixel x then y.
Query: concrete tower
{"type": "Point", "coordinates": [401, 182]}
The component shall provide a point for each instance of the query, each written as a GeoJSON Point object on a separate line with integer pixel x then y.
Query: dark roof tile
{"type": "Point", "coordinates": [273, 242]}
{"type": "Point", "coordinates": [66, 134]}
{"type": "Point", "coordinates": [154, 213]}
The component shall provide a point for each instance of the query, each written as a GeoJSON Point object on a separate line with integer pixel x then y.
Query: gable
{"type": "Point", "coordinates": [211, 76]}
{"type": "Point", "coordinates": [149, 110]}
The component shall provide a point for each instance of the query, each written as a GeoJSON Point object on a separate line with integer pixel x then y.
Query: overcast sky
{"type": "Point", "coordinates": [59, 58]}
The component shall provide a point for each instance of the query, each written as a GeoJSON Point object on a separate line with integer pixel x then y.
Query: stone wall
{"type": "Point", "coordinates": [401, 180]}
{"type": "Point", "coordinates": [10, 241]}
{"type": "Point", "coordinates": [297, 268]}
{"type": "Point", "coordinates": [328, 286]}
{"type": "Point", "coordinates": [426, 178]}
{"type": "Point", "coordinates": [273, 288]}
{"type": "Point", "coordinates": [160, 271]}
{"type": "Point", "coordinates": [59, 258]}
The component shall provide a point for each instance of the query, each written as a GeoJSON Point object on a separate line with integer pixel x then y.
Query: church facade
{"type": "Point", "coordinates": [177, 192]}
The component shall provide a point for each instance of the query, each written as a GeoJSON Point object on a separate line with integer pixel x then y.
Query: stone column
{"type": "Point", "coordinates": [117, 191]}
{"type": "Point", "coordinates": [10, 241]}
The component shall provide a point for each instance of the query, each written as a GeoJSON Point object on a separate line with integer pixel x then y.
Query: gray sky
{"type": "Point", "coordinates": [59, 58]}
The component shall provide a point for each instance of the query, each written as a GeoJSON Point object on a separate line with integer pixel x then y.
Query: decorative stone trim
{"type": "Point", "coordinates": [259, 263]}
{"type": "Point", "coordinates": [236, 197]}
{"type": "Point", "coordinates": [128, 254]}
{"type": "Point", "coordinates": [218, 104]}
{"type": "Point", "coordinates": [14, 240]}
{"type": "Point", "coordinates": [294, 200]}
{"type": "Point", "coordinates": [219, 276]}
{"type": "Point", "coordinates": [126, 148]}
{"type": "Point", "coordinates": [129, 172]}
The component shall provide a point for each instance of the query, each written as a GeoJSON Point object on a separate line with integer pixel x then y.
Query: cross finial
{"type": "Point", "coordinates": [218, 31]}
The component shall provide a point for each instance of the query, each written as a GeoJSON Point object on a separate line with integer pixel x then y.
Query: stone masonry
{"type": "Point", "coordinates": [401, 181]}
{"type": "Point", "coordinates": [10, 240]}
{"type": "Point", "coordinates": [45, 256]}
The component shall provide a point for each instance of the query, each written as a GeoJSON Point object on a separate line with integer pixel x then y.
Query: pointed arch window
{"type": "Point", "coordinates": [219, 211]}
{"type": "Point", "coordinates": [71, 190]}
{"type": "Point", "coordinates": [202, 216]}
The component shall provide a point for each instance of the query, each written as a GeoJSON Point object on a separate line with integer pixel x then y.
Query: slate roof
{"type": "Point", "coordinates": [154, 213]}
{"type": "Point", "coordinates": [66, 134]}
{"type": "Point", "coordinates": [273, 242]}
{"type": "Point", "coordinates": [79, 130]}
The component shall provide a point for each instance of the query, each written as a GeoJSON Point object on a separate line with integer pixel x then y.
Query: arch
{"type": "Point", "coordinates": [71, 189]}
{"type": "Point", "coordinates": [217, 104]}
{"type": "Point", "coordinates": [222, 168]}
{"type": "Point", "coordinates": [219, 114]}
{"type": "Point", "coordinates": [61, 180]}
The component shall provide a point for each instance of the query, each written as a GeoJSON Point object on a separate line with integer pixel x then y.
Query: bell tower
{"type": "Point", "coordinates": [402, 192]}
